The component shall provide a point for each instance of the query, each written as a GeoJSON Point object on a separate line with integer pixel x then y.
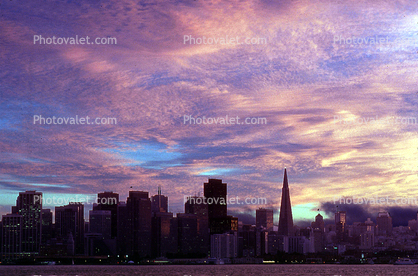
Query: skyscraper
{"type": "Point", "coordinates": [215, 192]}
{"type": "Point", "coordinates": [318, 233]}
{"type": "Point", "coordinates": [340, 224]}
{"type": "Point", "coordinates": [47, 231]}
{"type": "Point", "coordinates": [188, 239]}
{"type": "Point", "coordinates": [11, 238]}
{"type": "Point", "coordinates": [108, 201]}
{"type": "Point", "coordinates": [286, 219]}
{"type": "Point", "coordinates": [248, 234]}
{"type": "Point", "coordinates": [384, 223]}
{"type": "Point", "coordinates": [318, 223]}
{"type": "Point", "coordinates": [138, 228]}
{"type": "Point", "coordinates": [99, 239]}
{"type": "Point", "coordinates": [159, 203]}
{"type": "Point", "coordinates": [123, 223]}
{"type": "Point", "coordinates": [69, 224]}
{"type": "Point", "coordinates": [29, 206]}
{"type": "Point", "coordinates": [100, 222]}
{"type": "Point", "coordinates": [264, 219]}
{"type": "Point", "coordinates": [215, 195]}
{"type": "Point", "coordinates": [196, 205]}
{"type": "Point", "coordinates": [164, 239]}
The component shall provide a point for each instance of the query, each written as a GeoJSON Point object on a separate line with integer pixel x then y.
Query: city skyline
{"type": "Point", "coordinates": [327, 214]}
{"type": "Point", "coordinates": [142, 228]}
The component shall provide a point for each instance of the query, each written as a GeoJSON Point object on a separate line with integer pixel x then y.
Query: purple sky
{"type": "Point", "coordinates": [304, 81]}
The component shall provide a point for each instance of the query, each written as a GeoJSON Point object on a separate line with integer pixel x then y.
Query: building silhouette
{"type": "Point", "coordinates": [188, 238]}
{"type": "Point", "coordinates": [318, 229]}
{"type": "Point", "coordinates": [11, 241]}
{"type": "Point", "coordinates": [340, 224]}
{"type": "Point", "coordinates": [108, 201]}
{"type": "Point", "coordinates": [47, 226]}
{"type": "Point", "coordinates": [159, 202]}
{"type": "Point", "coordinates": [318, 223]}
{"type": "Point", "coordinates": [196, 205]}
{"type": "Point", "coordinates": [98, 239]}
{"type": "Point", "coordinates": [248, 237]}
{"type": "Point", "coordinates": [164, 234]}
{"type": "Point", "coordinates": [138, 225]}
{"type": "Point", "coordinates": [215, 197]}
{"type": "Point", "coordinates": [215, 193]}
{"type": "Point", "coordinates": [164, 227]}
{"type": "Point", "coordinates": [264, 219]}
{"type": "Point", "coordinates": [286, 218]}
{"type": "Point", "coordinates": [224, 245]}
{"type": "Point", "coordinates": [144, 229]}
{"type": "Point", "coordinates": [100, 221]}
{"type": "Point", "coordinates": [29, 206]}
{"type": "Point", "coordinates": [123, 224]}
{"type": "Point", "coordinates": [384, 223]}
{"type": "Point", "coordinates": [69, 225]}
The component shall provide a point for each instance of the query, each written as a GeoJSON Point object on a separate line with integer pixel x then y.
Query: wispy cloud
{"type": "Point", "coordinates": [299, 80]}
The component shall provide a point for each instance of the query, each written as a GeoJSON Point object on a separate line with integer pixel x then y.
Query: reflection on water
{"type": "Point", "coordinates": [193, 270]}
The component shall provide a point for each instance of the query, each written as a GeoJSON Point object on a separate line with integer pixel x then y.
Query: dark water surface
{"type": "Point", "coordinates": [192, 270]}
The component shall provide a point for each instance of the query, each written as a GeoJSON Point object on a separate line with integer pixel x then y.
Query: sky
{"type": "Point", "coordinates": [331, 85]}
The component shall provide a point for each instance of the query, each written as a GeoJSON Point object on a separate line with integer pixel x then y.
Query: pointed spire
{"type": "Point", "coordinates": [286, 218]}
{"type": "Point", "coordinates": [285, 184]}
{"type": "Point", "coordinates": [159, 190]}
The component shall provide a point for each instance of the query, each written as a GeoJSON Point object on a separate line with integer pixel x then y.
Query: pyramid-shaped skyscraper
{"type": "Point", "coordinates": [286, 219]}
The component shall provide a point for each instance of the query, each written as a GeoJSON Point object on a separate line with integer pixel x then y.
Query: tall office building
{"type": "Point", "coordinates": [340, 224]}
{"type": "Point", "coordinates": [318, 230]}
{"type": "Point", "coordinates": [262, 238]}
{"type": "Point", "coordinates": [215, 192]}
{"type": "Point", "coordinates": [11, 237]}
{"type": "Point", "coordinates": [123, 223]}
{"type": "Point", "coordinates": [340, 219]}
{"type": "Point", "coordinates": [286, 218]}
{"type": "Point", "coordinates": [164, 235]}
{"type": "Point", "coordinates": [108, 201]}
{"type": "Point", "coordinates": [159, 202]}
{"type": "Point", "coordinates": [100, 222]}
{"type": "Point", "coordinates": [318, 223]}
{"type": "Point", "coordinates": [29, 206]}
{"type": "Point", "coordinates": [98, 240]}
{"type": "Point", "coordinates": [188, 239]}
{"type": "Point", "coordinates": [69, 224]}
{"type": "Point", "coordinates": [215, 195]}
{"type": "Point", "coordinates": [138, 225]}
{"type": "Point", "coordinates": [264, 219]}
{"type": "Point", "coordinates": [318, 237]}
{"type": "Point", "coordinates": [195, 205]}
{"type": "Point", "coordinates": [164, 241]}
{"type": "Point", "coordinates": [47, 231]}
{"type": "Point", "coordinates": [384, 223]}
{"type": "Point", "coordinates": [248, 235]}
